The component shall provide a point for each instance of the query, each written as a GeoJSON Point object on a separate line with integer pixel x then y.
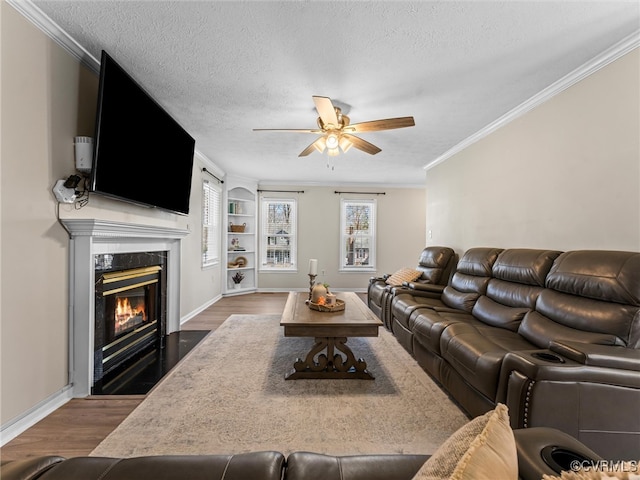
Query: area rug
{"type": "Point", "coordinates": [229, 395]}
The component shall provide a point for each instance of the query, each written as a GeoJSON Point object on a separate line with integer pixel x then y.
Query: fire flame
{"type": "Point", "coordinates": [124, 310]}
{"type": "Point", "coordinates": [322, 301]}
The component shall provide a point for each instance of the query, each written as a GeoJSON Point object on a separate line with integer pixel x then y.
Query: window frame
{"type": "Point", "coordinates": [291, 237]}
{"type": "Point", "coordinates": [372, 229]}
{"type": "Point", "coordinates": [211, 223]}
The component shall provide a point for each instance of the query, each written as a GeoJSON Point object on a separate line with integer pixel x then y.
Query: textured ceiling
{"type": "Point", "coordinates": [223, 68]}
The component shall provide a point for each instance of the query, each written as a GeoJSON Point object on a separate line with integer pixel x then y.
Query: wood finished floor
{"type": "Point", "coordinates": [77, 427]}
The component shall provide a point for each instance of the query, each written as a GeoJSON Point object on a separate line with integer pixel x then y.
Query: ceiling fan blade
{"type": "Point", "coordinates": [294, 130]}
{"type": "Point", "coordinates": [363, 145]}
{"type": "Point", "coordinates": [385, 124]}
{"type": "Point", "coordinates": [318, 145]}
{"type": "Point", "coordinates": [326, 110]}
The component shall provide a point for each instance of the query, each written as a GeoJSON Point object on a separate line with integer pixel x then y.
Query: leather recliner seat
{"type": "Point", "coordinates": [435, 263]}
{"type": "Point", "coordinates": [583, 375]}
{"type": "Point", "coordinates": [469, 281]}
{"type": "Point", "coordinates": [473, 349]}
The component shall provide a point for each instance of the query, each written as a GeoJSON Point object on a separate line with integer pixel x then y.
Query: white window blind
{"type": "Point", "coordinates": [279, 234]}
{"type": "Point", "coordinates": [358, 234]}
{"type": "Point", "coordinates": [210, 223]}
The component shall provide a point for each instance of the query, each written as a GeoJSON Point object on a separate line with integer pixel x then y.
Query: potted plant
{"type": "Point", "coordinates": [237, 278]}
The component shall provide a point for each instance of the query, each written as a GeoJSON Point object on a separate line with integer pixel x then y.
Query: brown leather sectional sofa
{"type": "Point", "coordinates": [540, 451]}
{"type": "Point", "coordinates": [553, 335]}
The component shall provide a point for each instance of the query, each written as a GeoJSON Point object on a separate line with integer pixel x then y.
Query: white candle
{"type": "Point", "coordinates": [313, 266]}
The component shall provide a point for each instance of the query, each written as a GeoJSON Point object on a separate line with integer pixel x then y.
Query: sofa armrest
{"type": "Point", "coordinates": [543, 450]}
{"type": "Point", "coordinates": [316, 466]}
{"type": "Point", "coordinates": [29, 468]}
{"type": "Point", "coordinates": [381, 278]}
{"type": "Point", "coordinates": [425, 287]}
{"type": "Point", "coordinates": [427, 290]}
{"type": "Point", "coordinates": [608, 356]}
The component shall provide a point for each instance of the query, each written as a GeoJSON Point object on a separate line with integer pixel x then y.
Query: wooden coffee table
{"type": "Point", "coordinates": [330, 330]}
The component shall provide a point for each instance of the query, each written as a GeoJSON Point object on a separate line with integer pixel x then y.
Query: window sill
{"type": "Point", "coordinates": [278, 270]}
{"type": "Point", "coordinates": [358, 270]}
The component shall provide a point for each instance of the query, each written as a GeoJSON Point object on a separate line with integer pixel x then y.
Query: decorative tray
{"type": "Point", "coordinates": [339, 305]}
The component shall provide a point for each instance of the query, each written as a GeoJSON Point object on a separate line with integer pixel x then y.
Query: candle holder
{"type": "Point", "coordinates": [312, 281]}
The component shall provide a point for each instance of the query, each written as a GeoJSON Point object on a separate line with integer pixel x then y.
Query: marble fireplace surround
{"type": "Point", "coordinates": [90, 237]}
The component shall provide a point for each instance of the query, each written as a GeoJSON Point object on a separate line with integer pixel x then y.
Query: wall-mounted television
{"type": "Point", "coordinates": [141, 154]}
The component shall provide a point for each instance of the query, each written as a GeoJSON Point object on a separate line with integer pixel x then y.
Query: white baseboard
{"type": "Point", "coordinates": [299, 289]}
{"type": "Point", "coordinates": [198, 310]}
{"type": "Point", "coordinates": [20, 424]}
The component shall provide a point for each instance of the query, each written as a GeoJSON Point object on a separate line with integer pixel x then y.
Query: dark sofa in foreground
{"type": "Point", "coordinates": [553, 335]}
{"type": "Point", "coordinates": [539, 451]}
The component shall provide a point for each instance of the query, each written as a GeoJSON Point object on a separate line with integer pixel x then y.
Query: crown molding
{"type": "Point", "coordinates": [209, 164]}
{"type": "Point", "coordinates": [36, 16]}
{"type": "Point", "coordinates": [618, 50]}
{"type": "Point", "coordinates": [337, 184]}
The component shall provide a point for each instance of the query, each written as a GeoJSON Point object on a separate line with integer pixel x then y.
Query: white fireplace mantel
{"type": "Point", "coordinates": [90, 237]}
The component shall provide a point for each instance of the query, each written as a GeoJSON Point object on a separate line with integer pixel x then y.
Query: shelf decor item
{"type": "Point", "coordinates": [237, 228]}
{"type": "Point", "coordinates": [237, 278]}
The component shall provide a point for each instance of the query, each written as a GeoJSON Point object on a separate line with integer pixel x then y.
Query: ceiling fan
{"type": "Point", "coordinates": [337, 133]}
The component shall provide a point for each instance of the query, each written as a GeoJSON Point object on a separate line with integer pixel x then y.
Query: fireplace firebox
{"type": "Point", "coordinates": [130, 308]}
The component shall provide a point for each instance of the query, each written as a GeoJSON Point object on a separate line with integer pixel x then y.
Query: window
{"type": "Point", "coordinates": [210, 224]}
{"type": "Point", "coordinates": [278, 238]}
{"type": "Point", "coordinates": [358, 235]}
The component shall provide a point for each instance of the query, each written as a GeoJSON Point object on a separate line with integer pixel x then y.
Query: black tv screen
{"type": "Point", "coordinates": [141, 154]}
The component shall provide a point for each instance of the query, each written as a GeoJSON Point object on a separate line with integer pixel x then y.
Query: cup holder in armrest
{"type": "Point", "coordinates": [548, 357]}
{"type": "Point", "coordinates": [559, 459]}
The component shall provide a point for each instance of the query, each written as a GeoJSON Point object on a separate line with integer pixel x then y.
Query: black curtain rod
{"type": "Point", "coordinates": [207, 171]}
{"type": "Point", "coordinates": [363, 193]}
{"type": "Point", "coordinates": [282, 191]}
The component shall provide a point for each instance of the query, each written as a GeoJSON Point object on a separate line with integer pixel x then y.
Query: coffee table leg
{"type": "Point", "coordinates": [330, 365]}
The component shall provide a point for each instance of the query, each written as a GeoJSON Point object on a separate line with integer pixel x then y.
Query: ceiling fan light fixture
{"type": "Point", "coordinates": [320, 144]}
{"type": "Point", "coordinates": [336, 131]}
{"type": "Point", "coordinates": [332, 141]}
{"type": "Point", "coordinates": [345, 144]}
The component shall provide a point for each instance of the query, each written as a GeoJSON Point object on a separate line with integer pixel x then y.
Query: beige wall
{"type": "Point", "coordinates": [47, 99]}
{"type": "Point", "coordinates": [564, 176]}
{"type": "Point", "coordinates": [198, 286]}
{"type": "Point", "coordinates": [400, 235]}
{"type": "Point", "coordinates": [39, 110]}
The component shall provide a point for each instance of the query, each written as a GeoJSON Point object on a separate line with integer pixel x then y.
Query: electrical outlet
{"type": "Point", "coordinates": [322, 272]}
{"type": "Point", "coordinates": [64, 194]}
